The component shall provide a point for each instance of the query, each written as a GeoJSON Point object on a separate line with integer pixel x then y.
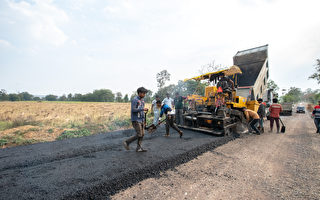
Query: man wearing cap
{"type": "Point", "coordinates": [316, 115]}
{"type": "Point", "coordinates": [137, 118]}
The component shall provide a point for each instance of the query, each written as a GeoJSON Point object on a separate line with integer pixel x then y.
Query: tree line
{"type": "Point", "coordinates": [184, 88]}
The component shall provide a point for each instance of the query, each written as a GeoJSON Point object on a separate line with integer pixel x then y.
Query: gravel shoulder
{"type": "Point", "coordinates": [269, 166]}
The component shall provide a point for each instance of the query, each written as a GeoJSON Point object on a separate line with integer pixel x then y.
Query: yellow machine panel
{"type": "Point", "coordinates": [210, 91]}
{"type": "Point", "coordinates": [253, 105]}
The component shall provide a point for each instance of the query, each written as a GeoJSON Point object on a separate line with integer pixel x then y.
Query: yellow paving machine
{"type": "Point", "coordinates": [219, 110]}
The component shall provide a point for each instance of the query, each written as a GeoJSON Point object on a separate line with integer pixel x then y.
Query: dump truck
{"type": "Point", "coordinates": [286, 109]}
{"type": "Point", "coordinates": [216, 112]}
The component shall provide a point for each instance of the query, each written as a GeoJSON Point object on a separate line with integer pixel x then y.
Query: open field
{"type": "Point", "coordinates": [31, 122]}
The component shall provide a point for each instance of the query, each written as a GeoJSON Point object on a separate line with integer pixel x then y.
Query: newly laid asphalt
{"type": "Point", "coordinates": [94, 167]}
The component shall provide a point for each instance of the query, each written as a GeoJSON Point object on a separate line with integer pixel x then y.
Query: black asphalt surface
{"type": "Point", "coordinates": [96, 166]}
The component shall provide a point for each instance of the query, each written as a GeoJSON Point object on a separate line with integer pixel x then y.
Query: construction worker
{"type": "Point", "coordinates": [165, 109]}
{"type": "Point", "coordinates": [275, 110]}
{"type": "Point", "coordinates": [168, 101]}
{"type": "Point", "coordinates": [316, 116]}
{"type": "Point", "coordinates": [137, 118]}
{"type": "Point", "coordinates": [226, 84]}
{"type": "Point", "coordinates": [178, 105]}
{"type": "Point", "coordinates": [155, 110]}
{"type": "Point", "coordinates": [255, 119]}
{"type": "Point", "coordinates": [262, 113]}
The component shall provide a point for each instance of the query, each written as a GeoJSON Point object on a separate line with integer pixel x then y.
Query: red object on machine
{"type": "Point", "coordinates": [219, 90]}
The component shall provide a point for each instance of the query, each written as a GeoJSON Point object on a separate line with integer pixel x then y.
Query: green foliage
{"type": "Point", "coordinates": [36, 99]}
{"type": "Point", "coordinates": [25, 96]}
{"type": "Point", "coordinates": [3, 95]}
{"type": "Point", "coordinates": [162, 77]}
{"type": "Point", "coordinates": [311, 96]}
{"type": "Point", "coordinates": [51, 97]}
{"type": "Point", "coordinates": [294, 95]}
{"type": "Point", "coordinates": [118, 97]}
{"type": "Point", "coordinates": [164, 90]}
{"type": "Point", "coordinates": [50, 130]}
{"type": "Point", "coordinates": [4, 125]}
{"type": "Point", "coordinates": [148, 97]}
{"type": "Point", "coordinates": [73, 134]}
{"type": "Point", "coordinates": [316, 75]}
{"type": "Point", "coordinates": [273, 86]}
{"type": "Point", "coordinates": [14, 97]}
{"type": "Point", "coordinates": [126, 98]}
{"type": "Point", "coordinates": [63, 98]}
{"type": "Point", "coordinates": [16, 139]}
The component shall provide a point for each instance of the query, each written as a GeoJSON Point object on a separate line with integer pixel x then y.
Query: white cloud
{"type": "Point", "coordinates": [43, 19]}
{"type": "Point", "coordinates": [5, 43]}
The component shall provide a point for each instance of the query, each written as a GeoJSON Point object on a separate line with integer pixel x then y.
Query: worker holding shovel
{"type": "Point", "coordinates": [138, 119]}
{"type": "Point", "coordinates": [165, 109]}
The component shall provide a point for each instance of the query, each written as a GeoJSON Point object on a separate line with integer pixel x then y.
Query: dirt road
{"type": "Point", "coordinates": [269, 166]}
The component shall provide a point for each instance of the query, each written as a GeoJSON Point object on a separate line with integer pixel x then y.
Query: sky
{"type": "Point", "coordinates": [76, 46]}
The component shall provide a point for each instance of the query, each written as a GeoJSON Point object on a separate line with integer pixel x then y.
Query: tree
{"type": "Point", "coordinates": [118, 97]}
{"type": "Point", "coordinates": [51, 97]}
{"type": "Point", "coordinates": [25, 96]}
{"type": "Point", "coordinates": [103, 95]}
{"type": "Point", "coordinates": [168, 89]}
{"type": "Point", "coordinates": [210, 67]}
{"type": "Point", "coordinates": [294, 95]}
{"type": "Point", "coordinates": [36, 99]}
{"type": "Point", "coordinates": [148, 97]}
{"type": "Point", "coordinates": [162, 77]}
{"type": "Point", "coordinates": [69, 97]}
{"type": "Point", "coordinates": [14, 97]}
{"type": "Point", "coordinates": [3, 95]}
{"type": "Point", "coordinates": [126, 98]}
{"type": "Point", "coordinates": [316, 75]}
{"type": "Point", "coordinates": [274, 87]}
{"type": "Point", "coordinates": [63, 98]}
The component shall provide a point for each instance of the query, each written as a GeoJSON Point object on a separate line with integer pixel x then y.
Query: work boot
{"type": "Point", "coordinates": [262, 130]}
{"type": "Point", "coordinates": [126, 146]}
{"type": "Point", "coordinates": [181, 134]}
{"type": "Point", "coordinates": [140, 149]}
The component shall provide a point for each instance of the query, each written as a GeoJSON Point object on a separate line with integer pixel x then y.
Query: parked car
{"type": "Point", "coordinates": [301, 109]}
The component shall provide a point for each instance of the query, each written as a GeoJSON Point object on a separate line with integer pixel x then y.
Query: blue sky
{"type": "Point", "coordinates": [76, 46]}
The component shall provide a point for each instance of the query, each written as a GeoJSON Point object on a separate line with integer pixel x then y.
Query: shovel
{"type": "Point", "coordinates": [152, 128]}
{"type": "Point", "coordinates": [283, 127]}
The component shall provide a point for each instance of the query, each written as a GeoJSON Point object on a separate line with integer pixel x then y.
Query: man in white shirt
{"type": "Point", "coordinates": [155, 110]}
{"type": "Point", "coordinates": [168, 101]}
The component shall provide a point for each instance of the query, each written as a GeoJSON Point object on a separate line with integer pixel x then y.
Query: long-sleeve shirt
{"type": "Point", "coordinates": [165, 109]}
{"type": "Point", "coordinates": [262, 110]}
{"type": "Point", "coordinates": [137, 107]}
{"type": "Point", "coordinates": [275, 110]}
{"type": "Point", "coordinates": [316, 111]}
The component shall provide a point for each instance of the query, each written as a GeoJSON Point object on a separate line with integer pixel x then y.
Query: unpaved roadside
{"type": "Point", "coordinates": [269, 166]}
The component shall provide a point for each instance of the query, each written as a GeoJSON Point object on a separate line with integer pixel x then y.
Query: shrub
{"type": "Point", "coordinates": [73, 134]}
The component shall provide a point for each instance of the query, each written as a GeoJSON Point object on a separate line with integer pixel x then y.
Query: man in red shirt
{"type": "Point", "coordinates": [275, 110]}
{"type": "Point", "coordinates": [316, 115]}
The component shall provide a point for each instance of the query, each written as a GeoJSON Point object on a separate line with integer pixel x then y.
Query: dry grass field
{"type": "Point", "coordinates": [31, 122]}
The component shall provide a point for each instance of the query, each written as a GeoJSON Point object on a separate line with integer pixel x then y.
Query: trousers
{"type": "Point", "coordinates": [139, 128]}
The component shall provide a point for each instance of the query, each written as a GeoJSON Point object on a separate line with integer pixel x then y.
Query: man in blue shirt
{"type": "Point", "coordinates": [165, 109]}
{"type": "Point", "coordinates": [137, 118]}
